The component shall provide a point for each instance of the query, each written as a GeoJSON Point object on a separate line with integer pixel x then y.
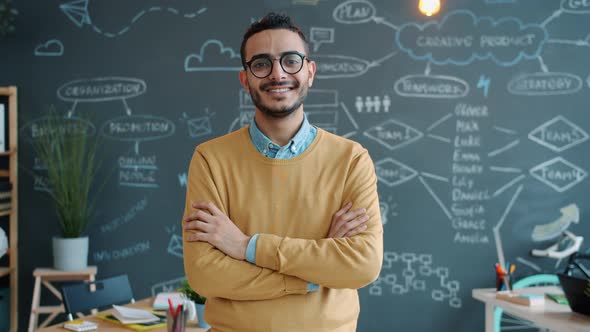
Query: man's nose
{"type": "Point", "coordinates": [277, 72]}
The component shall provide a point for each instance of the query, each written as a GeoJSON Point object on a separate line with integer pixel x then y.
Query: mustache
{"type": "Point", "coordinates": [265, 86]}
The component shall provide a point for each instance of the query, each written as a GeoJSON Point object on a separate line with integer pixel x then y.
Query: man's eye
{"type": "Point", "coordinates": [291, 61]}
{"type": "Point", "coordinates": [259, 65]}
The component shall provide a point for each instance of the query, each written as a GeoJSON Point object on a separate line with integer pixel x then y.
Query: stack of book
{"type": "Point", "coordinates": [531, 300]}
{"type": "Point", "coordinates": [5, 196]}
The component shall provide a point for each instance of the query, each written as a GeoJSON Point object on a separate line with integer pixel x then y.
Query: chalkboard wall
{"type": "Point", "coordinates": [476, 119]}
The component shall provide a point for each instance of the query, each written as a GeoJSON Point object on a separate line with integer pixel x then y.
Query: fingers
{"type": "Point", "coordinates": [198, 236]}
{"type": "Point", "coordinates": [355, 231]}
{"type": "Point", "coordinates": [200, 226]}
{"type": "Point", "coordinates": [339, 222]}
{"type": "Point", "coordinates": [343, 210]}
{"type": "Point", "coordinates": [209, 206]}
{"type": "Point", "coordinates": [352, 227]}
{"type": "Point", "coordinates": [199, 215]}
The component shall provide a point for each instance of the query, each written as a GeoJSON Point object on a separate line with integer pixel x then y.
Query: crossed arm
{"type": "Point", "coordinates": [214, 248]}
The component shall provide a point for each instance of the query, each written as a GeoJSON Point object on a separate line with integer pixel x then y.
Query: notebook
{"type": "Point", "coordinates": [80, 325]}
{"type": "Point", "coordinates": [575, 292]}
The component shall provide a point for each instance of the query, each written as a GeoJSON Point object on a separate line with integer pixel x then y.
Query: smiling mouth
{"type": "Point", "coordinates": [279, 90]}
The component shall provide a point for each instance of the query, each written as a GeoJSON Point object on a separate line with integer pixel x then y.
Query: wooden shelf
{"type": "Point", "coordinates": [10, 171]}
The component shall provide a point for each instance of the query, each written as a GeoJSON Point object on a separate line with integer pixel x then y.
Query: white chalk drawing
{"type": "Point", "coordinates": [393, 134]}
{"type": "Point", "coordinates": [575, 6]}
{"type": "Point", "coordinates": [545, 84]}
{"type": "Point", "coordinates": [393, 173]}
{"type": "Point", "coordinates": [503, 149]}
{"type": "Point", "coordinates": [558, 134]}
{"type": "Point", "coordinates": [101, 89]}
{"type": "Point", "coordinates": [436, 124]}
{"type": "Point", "coordinates": [52, 47]}
{"type": "Point", "coordinates": [553, 229]}
{"type": "Point", "coordinates": [167, 286]}
{"type": "Point", "coordinates": [387, 208]}
{"type": "Point", "coordinates": [558, 174]}
{"type": "Point", "coordinates": [213, 56]}
{"type": "Point", "coordinates": [431, 86]}
{"type": "Point", "coordinates": [199, 126]}
{"type": "Point", "coordinates": [434, 176]}
{"type": "Point", "coordinates": [327, 120]}
{"type": "Point", "coordinates": [77, 12]}
{"type": "Point", "coordinates": [175, 245]}
{"type": "Point", "coordinates": [138, 248]}
{"type": "Point", "coordinates": [71, 127]}
{"type": "Point", "coordinates": [484, 84]}
{"type": "Point", "coordinates": [130, 215]}
{"type": "Point", "coordinates": [407, 272]}
{"type": "Point", "coordinates": [138, 171]}
{"type": "Point", "coordinates": [508, 185]}
{"type": "Point", "coordinates": [505, 130]}
{"type": "Point", "coordinates": [496, 230]}
{"type": "Point", "coordinates": [528, 263]}
{"type": "Point", "coordinates": [436, 198]}
{"type": "Point", "coordinates": [182, 178]}
{"type": "Point", "coordinates": [354, 12]}
{"type": "Point", "coordinates": [349, 116]}
{"type": "Point", "coordinates": [319, 36]}
{"type": "Point", "coordinates": [331, 66]}
{"type": "Point", "coordinates": [482, 38]}
{"type": "Point", "coordinates": [505, 169]}
{"type": "Point", "coordinates": [384, 209]}
{"type": "Point", "coordinates": [372, 104]}
{"type": "Point", "coordinates": [137, 128]}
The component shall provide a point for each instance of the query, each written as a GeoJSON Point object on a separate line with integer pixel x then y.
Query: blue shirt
{"type": "Point", "coordinates": [299, 143]}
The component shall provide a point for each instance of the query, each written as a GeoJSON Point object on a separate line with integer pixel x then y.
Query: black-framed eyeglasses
{"type": "Point", "coordinates": [261, 65]}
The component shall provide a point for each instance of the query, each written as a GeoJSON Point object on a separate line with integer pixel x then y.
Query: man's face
{"type": "Point", "coordinates": [279, 94]}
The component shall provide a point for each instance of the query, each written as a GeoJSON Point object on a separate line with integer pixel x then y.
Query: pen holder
{"type": "Point", "coordinates": [176, 323]}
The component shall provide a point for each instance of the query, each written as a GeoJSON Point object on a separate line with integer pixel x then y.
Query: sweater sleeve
{"type": "Point", "coordinates": [209, 271]}
{"type": "Point", "coordinates": [352, 262]}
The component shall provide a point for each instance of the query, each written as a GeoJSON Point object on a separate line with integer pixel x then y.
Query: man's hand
{"type": "Point", "coordinates": [347, 223]}
{"type": "Point", "coordinates": [217, 229]}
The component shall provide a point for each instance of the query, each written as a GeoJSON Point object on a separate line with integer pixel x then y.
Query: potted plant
{"type": "Point", "coordinates": [67, 148]}
{"type": "Point", "coordinates": [199, 300]}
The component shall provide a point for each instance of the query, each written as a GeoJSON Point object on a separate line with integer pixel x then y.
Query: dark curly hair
{"type": "Point", "coordinates": [271, 21]}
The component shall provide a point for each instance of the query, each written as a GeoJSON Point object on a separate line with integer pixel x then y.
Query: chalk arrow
{"type": "Point", "coordinates": [551, 230]}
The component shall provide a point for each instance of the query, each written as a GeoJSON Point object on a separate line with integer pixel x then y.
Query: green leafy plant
{"type": "Point", "coordinates": [7, 17]}
{"type": "Point", "coordinates": [190, 294]}
{"type": "Point", "coordinates": [65, 146]}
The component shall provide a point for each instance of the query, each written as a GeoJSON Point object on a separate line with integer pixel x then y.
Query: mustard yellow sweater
{"type": "Point", "coordinates": [290, 203]}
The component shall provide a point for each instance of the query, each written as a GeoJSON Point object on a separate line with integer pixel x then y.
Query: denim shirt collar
{"type": "Point", "coordinates": [296, 144]}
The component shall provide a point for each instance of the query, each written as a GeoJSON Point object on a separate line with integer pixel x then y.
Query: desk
{"type": "Point", "coordinates": [554, 316]}
{"type": "Point", "coordinates": [106, 326]}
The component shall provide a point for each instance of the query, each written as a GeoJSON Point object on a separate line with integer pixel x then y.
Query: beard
{"type": "Point", "coordinates": [276, 111]}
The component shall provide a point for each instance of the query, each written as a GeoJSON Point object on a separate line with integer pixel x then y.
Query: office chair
{"type": "Point", "coordinates": [100, 294]}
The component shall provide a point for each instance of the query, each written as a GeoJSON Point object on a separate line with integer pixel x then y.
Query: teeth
{"type": "Point", "coordinates": [279, 90]}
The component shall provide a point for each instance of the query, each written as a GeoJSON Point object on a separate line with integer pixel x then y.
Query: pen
{"type": "Point", "coordinates": [171, 307]}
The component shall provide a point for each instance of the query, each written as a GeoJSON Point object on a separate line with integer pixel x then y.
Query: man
{"type": "Point", "coordinates": [260, 240]}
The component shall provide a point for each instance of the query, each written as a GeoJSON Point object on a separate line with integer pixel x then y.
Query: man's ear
{"type": "Point", "coordinates": [244, 80]}
{"type": "Point", "coordinates": [311, 71]}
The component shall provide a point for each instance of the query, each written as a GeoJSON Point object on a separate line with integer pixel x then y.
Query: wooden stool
{"type": "Point", "coordinates": [46, 276]}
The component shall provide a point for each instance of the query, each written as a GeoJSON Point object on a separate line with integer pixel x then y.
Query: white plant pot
{"type": "Point", "coordinates": [70, 254]}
